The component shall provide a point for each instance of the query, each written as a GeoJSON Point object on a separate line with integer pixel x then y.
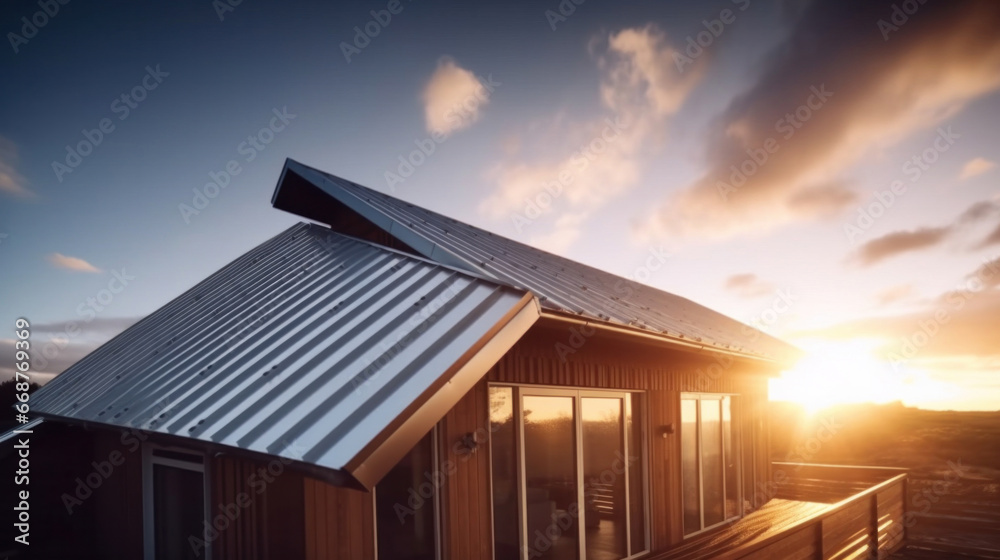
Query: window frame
{"type": "Point", "coordinates": [519, 391]}
{"type": "Point", "coordinates": [737, 441]}
{"type": "Point", "coordinates": [149, 460]}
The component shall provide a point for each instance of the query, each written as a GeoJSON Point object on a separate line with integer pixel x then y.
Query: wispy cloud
{"type": "Point", "coordinates": [899, 242]}
{"type": "Point", "coordinates": [976, 166]}
{"type": "Point", "coordinates": [11, 182]}
{"type": "Point", "coordinates": [748, 285]}
{"type": "Point", "coordinates": [592, 160]}
{"type": "Point", "coordinates": [72, 263]}
{"type": "Point", "coordinates": [879, 92]}
{"type": "Point", "coordinates": [453, 98]}
{"type": "Point", "coordinates": [961, 323]}
{"type": "Point", "coordinates": [894, 294]}
{"type": "Point", "coordinates": [908, 241]}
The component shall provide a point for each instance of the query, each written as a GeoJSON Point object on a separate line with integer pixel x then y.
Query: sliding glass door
{"type": "Point", "coordinates": [574, 458]}
{"type": "Point", "coordinates": [710, 466]}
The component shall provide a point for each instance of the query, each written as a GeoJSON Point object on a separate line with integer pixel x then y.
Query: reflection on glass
{"type": "Point", "coordinates": [636, 475]}
{"type": "Point", "coordinates": [711, 457]}
{"type": "Point", "coordinates": [409, 537]}
{"type": "Point", "coordinates": [504, 464]}
{"type": "Point", "coordinates": [604, 478]}
{"type": "Point", "coordinates": [730, 455]}
{"type": "Point", "coordinates": [689, 466]}
{"type": "Point", "coordinates": [552, 511]}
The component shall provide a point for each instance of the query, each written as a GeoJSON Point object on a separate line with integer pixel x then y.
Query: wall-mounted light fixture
{"type": "Point", "coordinates": [666, 430]}
{"type": "Point", "coordinates": [470, 441]}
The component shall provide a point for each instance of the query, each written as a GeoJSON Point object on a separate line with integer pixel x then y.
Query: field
{"type": "Point", "coordinates": [953, 459]}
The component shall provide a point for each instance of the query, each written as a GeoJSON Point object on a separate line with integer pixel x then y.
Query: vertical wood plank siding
{"type": "Point", "coordinates": [338, 522]}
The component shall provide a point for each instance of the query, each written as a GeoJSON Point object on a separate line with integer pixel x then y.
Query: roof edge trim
{"type": "Point", "coordinates": [379, 456]}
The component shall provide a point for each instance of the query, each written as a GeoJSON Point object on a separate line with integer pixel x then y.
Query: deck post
{"type": "Point", "coordinates": [819, 539]}
{"type": "Point", "coordinates": [873, 551]}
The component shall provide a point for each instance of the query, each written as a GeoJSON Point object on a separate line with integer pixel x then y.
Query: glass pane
{"type": "Point", "coordinates": [636, 474]}
{"type": "Point", "coordinates": [604, 469]}
{"type": "Point", "coordinates": [689, 465]}
{"type": "Point", "coordinates": [178, 511]}
{"type": "Point", "coordinates": [551, 506]}
{"type": "Point", "coordinates": [404, 506]}
{"type": "Point", "coordinates": [504, 466]}
{"type": "Point", "coordinates": [711, 456]}
{"type": "Point", "coordinates": [731, 460]}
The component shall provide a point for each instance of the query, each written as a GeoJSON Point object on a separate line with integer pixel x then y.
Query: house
{"type": "Point", "coordinates": [387, 382]}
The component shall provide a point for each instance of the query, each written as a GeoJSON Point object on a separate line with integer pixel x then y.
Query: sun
{"type": "Point", "coordinates": [848, 371]}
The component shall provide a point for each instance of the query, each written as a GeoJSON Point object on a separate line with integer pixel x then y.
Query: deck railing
{"type": "Point", "coordinates": [866, 518]}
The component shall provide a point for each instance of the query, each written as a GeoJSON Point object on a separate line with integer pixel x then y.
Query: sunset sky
{"type": "Point", "coordinates": [825, 170]}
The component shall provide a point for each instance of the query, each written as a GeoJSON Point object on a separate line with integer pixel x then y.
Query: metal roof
{"type": "Point", "coordinates": [562, 285]}
{"type": "Point", "coordinates": [313, 346]}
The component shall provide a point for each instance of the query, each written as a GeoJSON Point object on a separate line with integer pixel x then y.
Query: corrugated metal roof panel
{"type": "Point", "coordinates": [561, 284]}
{"type": "Point", "coordinates": [310, 347]}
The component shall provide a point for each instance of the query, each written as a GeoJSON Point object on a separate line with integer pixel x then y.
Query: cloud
{"type": "Point", "coordinates": [894, 294]}
{"type": "Point", "coordinates": [72, 263]}
{"type": "Point", "coordinates": [453, 98]}
{"type": "Point", "coordinates": [643, 73]}
{"type": "Point", "coordinates": [11, 182]}
{"type": "Point", "coordinates": [961, 323]}
{"type": "Point", "coordinates": [588, 162]}
{"type": "Point", "coordinates": [61, 344]}
{"type": "Point", "coordinates": [976, 166]}
{"type": "Point", "coordinates": [992, 239]}
{"type": "Point", "coordinates": [831, 93]}
{"type": "Point", "coordinates": [899, 242]}
{"type": "Point", "coordinates": [748, 285]}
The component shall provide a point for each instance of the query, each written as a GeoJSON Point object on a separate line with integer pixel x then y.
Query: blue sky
{"type": "Point", "coordinates": [691, 113]}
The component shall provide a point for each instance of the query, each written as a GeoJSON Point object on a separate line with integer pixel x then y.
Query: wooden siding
{"type": "Point", "coordinates": [467, 532]}
{"type": "Point", "coordinates": [339, 522]}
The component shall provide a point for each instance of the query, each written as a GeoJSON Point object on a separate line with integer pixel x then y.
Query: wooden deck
{"type": "Point", "coordinates": [774, 518]}
{"type": "Point", "coordinates": [819, 512]}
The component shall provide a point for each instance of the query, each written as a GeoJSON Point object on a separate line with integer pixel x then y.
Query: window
{"type": "Point", "coordinates": [406, 506]}
{"type": "Point", "coordinates": [710, 464]}
{"type": "Point", "coordinates": [175, 504]}
{"type": "Point", "coordinates": [568, 474]}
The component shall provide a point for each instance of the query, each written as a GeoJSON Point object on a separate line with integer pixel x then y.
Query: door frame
{"type": "Point", "coordinates": [519, 391]}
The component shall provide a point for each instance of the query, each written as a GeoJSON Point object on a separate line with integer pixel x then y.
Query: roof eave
{"type": "Point", "coordinates": [671, 342]}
